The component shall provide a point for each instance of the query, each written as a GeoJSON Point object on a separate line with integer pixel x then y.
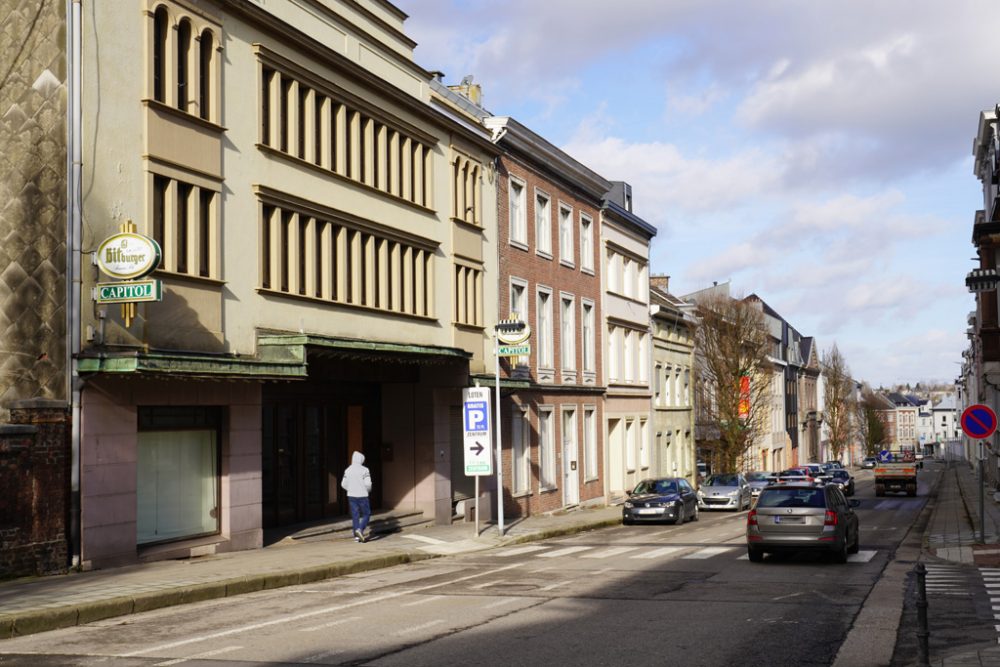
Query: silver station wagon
{"type": "Point", "coordinates": [793, 517]}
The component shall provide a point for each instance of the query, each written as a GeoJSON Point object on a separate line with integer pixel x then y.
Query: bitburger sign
{"type": "Point", "coordinates": [128, 255]}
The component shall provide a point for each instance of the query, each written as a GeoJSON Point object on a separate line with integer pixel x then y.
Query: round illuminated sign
{"type": "Point", "coordinates": [128, 255]}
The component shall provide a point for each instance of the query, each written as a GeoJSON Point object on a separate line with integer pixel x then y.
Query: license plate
{"type": "Point", "coordinates": [788, 519]}
{"type": "Point", "coordinates": [649, 511]}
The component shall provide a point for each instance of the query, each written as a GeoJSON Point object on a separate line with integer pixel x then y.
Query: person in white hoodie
{"type": "Point", "coordinates": [358, 484]}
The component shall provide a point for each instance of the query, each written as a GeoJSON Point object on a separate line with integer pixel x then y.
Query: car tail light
{"type": "Point", "coordinates": [830, 519]}
{"type": "Point", "coordinates": [752, 518]}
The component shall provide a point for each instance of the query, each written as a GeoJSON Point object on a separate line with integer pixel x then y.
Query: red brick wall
{"type": "Point", "coordinates": [537, 270]}
{"type": "Point", "coordinates": [34, 477]}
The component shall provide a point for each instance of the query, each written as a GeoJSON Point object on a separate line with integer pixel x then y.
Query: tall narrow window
{"type": "Point", "coordinates": [159, 209]}
{"type": "Point", "coordinates": [630, 445]}
{"type": "Point", "coordinates": [567, 333]}
{"type": "Point", "coordinates": [614, 271]}
{"type": "Point", "coordinates": [160, 29]}
{"type": "Point", "coordinates": [566, 234]}
{"type": "Point", "coordinates": [518, 304]}
{"type": "Point", "coordinates": [521, 462]}
{"type": "Point", "coordinates": [586, 243]}
{"type": "Point", "coordinates": [546, 449]}
{"type": "Point", "coordinates": [543, 224]}
{"type": "Point", "coordinates": [629, 355]}
{"type": "Point", "coordinates": [545, 351]}
{"type": "Point", "coordinates": [589, 340]}
{"type": "Point", "coordinates": [183, 226]}
{"type": "Point", "coordinates": [205, 201]}
{"type": "Point", "coordinates": [518, 224]}
{"type": "Point", "coordinates": [183, 51]}
{"type": "Point", "coordinates": [613, 353]}
{"type": "Point", "coordinates": [590, 442]}
{"type": "Point", "coordinates": [644, 443]}
{"type": "Point", "coordinates": [205, 75]}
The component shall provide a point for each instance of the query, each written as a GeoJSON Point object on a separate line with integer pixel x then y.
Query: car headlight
{"type": "Point", "coordinates": [628, 504]}
{"type": "Point", "coordinates": [670, 503]}
{"type": "Point", "coordinates": [733, 494]}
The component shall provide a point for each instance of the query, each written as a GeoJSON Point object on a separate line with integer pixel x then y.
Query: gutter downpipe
{"type": "Point", "coordinates": [73, 292]}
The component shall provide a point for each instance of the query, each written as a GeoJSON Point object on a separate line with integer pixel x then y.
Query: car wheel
{"type": "Point", "coordinates": [626, 522]}
{"type": "Point", "coordinates": [840, 555]}
{"type": "Point", "coordinates": [694, 516]}
{"type": "Point", "coordinates": [680, 516]}
{"type": "Point", "coordinates": [755, 554]}
{"type": "Point", "coordinates": [856, 546]}
{"type": "Point", "coordinates": [880, 489]}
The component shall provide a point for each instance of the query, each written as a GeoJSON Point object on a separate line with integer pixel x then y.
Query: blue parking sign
{"type": "Point", "coordinates": [477, 416]}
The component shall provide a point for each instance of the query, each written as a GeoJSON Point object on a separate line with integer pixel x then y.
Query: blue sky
{"type": "Point", "coordinates": [815, 153]}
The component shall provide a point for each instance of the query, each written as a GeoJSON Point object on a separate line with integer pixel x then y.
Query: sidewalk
{"type": "Point", "coordinates": [39, 604]}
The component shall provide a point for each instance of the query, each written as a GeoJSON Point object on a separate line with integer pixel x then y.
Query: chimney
{"type": "Point", "coordinates": [660, 282]}
{"type": "Point", "coordinates": [470, 91]}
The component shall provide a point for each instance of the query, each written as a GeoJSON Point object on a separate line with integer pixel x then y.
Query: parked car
{"type": "Point", "coordinates": [664, 499]}
{"type": "Point", "coordinates": [758, 480]}
{"type": "Point", "coordinates": [727, 491]}
{"type": "Point", "coordinates": [794, 517]}
{"type": "Point", "coordinates": [702, 470]}
{"type": "Point", "coordinates": [817, 471]}
{"type": "Point", "coordinates": [869, 462]}
{"type": "Point", "coordinates": [844, 480]}
{"type": "Point", "coordinates": [835, 465]}
{"type": "Point", "coordinates": [795, 475]}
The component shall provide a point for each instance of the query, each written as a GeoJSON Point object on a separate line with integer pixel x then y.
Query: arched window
{"type": "Point", "coordinates": [160, 27]}
{"type": "Point", "coordinates": [205, 75]}
{"type": "Point", "coordinates": [183, 48]}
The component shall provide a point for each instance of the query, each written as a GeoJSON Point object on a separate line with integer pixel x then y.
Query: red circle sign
{"type": "Point", "coordinates": [979, 421]}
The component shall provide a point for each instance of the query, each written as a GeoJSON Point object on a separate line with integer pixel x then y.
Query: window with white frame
{"type": "Point", "coordinates": [546, 449]}
{"type": "Point", "coordinates": [586, 243]}
{"type": "Point", "coordinates": [687, 388]}
{"type": "Point", "coordinates": [518, 221]}
{"type": "Point", "coordinates": [566, 235]}
{"type": "Point", "coordinates": [567, 332]}
{"type": "Point", "coordinates": [520, 470]}
{"type": "Point", "coordinates": [614, 265]}
{"type": "Point", "coordinates": [657, 385]}
{"type": "Point", "coordinates": [614, 370]}
{"type": "Point", "coordinates": [544, 319]}
{"type": "Point", "coordinates": [644, 443]}
{"type": "Point", "coordinates": [590, 442]}
{"type": "Point", "coordinates": [630, 445]}
{"type": "Point", "coordinates": [589, 341]}
{"type": "Point", "coordinates": [629, 355]}
{"type": "Point", "coordinates": [518, 301]}
{"type": "Point", "coordinates": [668, 395]}
{"type": "Point", "coordinates": [543, 223]}
{"type": "Point", "coordinates": [644, 358]}
{"type": "Point", "coordinates": [628, 269]}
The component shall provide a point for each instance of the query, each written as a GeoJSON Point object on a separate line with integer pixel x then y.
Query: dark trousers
{"type": "Point", "coordinates": [361, 512]}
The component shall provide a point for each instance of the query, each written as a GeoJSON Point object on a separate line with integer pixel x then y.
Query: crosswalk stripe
{"type": "Point", "coordinates": [707, 552]}
{"type": "Point", "coordinates": [607, 553]}
{"type": "Point", "coordinates": [563, 552]}
{"type": "Point", "coordinates": [517, 551]}
{"type": "Point", "coordinates": [656, 553]}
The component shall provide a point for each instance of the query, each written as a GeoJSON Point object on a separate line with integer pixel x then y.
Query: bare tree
{"type": "Point", "coordinates": [870, 423]}
{"type": "Point", "coordinates": [734, 370]}
{"type": "Point", "coordinates": [838, 407]}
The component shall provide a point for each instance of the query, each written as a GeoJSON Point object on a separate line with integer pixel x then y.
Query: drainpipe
{"type": "Point", "coordinates": [74, 228]}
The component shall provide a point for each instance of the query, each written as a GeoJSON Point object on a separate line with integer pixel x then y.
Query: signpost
{"type": "Point", "coordinates": [512, 337]}
{"type": "Point", "coordinates": [980, 422]}
{"type": "Point", "coordinates": [476, 430]}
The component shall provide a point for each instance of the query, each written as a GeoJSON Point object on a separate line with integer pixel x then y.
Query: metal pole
{"type": "Point", "coordinates": [922, 631]}
{"type": "Point", "coordinates": [982, 505]}
{"type": "Point", "coordinates": [499, 457]}
{"type": "Point", "coordinates": [477, 506]}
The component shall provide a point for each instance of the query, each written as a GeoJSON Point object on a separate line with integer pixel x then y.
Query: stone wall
{"type": "Point", "coordinates": [35, 478]}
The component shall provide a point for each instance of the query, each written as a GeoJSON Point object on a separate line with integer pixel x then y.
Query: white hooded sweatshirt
{"type": "Point", "coordinates": [357, 480]}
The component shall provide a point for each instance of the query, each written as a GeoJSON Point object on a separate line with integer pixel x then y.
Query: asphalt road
{"type": "Point", "coordinates": [629, 595]}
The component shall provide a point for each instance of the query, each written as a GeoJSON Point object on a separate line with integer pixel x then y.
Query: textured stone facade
{"type": "Point", "coordinates": [32, 201]}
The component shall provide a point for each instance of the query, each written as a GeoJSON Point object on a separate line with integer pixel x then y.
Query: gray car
{"type": "Point", "coordinates": [758, 480]}
{"type": "Point", "coordinates": [794, 517]}
{"type": "Point", "coordinates": [726, 491]}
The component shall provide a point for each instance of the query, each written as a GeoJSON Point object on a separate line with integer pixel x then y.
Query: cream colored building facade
{"type": "Point", "coordinates": [327, 224]}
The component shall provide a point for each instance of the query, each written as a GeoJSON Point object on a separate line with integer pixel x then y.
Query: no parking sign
{"type": "Point", "coordinates": [979, 421]}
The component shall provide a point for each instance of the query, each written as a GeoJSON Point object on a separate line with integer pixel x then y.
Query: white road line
{"type": "Point", "coordinates": [500, 603]}
{"type": "Point", "coordinates": [556, 585]}
{"type": "Point", "coordinates": [425, 539]}
{"type": "Point", "coordinates": [422, 626]}
{"type": "Point", "coordinates": [564, 552]}
{"type": "Point", "coordinates": [862, 556]}
{"type": "Point", "coordinates": [656, 553]}
{"type": "Point", "coordinates": [707, 552]}
{"type": "Point", "coordinates": [198, 656]}
{"type": "Point", "coordinates": [607, 553]}
{"type": "Point", "coordinates": [431, 598]}
{"type": "Point", "coordinates": [517, 551]}
{"type": "Point", "coordinates": [324, 626]}
{"type": "Point", "coordinates": [310, 614]}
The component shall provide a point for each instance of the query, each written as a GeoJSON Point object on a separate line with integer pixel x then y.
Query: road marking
{"type": "Point", "coordinates": [564, 552]}
{"type": "Point", "coordinates": [431, 598]}
{"type": "Point", "coordinates": [197, 656]}
{"type": "Point", "coordinates": [707, 552]}
{"type": "Point", "coordinates": [656, 553]}
{"type": "Point", "coordinates": [500, 603]}
{"type": "Point", "coordinates": [309, 614]}
{"type": "Point", "coordinates": [518, 551]}
{"type": "Point", "coordinates": [425, 539]}
{"type": "Point", "coordinates": [556, 585]}
{"type": "Point", "coordinates": [607, 553]}
{"type": "Point", "coordinates": [330, 624]}
{"type": "Point", "coordinates": [325, 655]}
{"type": "Point", "coordinates": [418, 628]}
{"type": "Point", "coordinates": [862, 556]}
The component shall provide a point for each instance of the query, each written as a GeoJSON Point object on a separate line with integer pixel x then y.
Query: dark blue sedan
{"type": "Point", "coordinates": [670, 499]}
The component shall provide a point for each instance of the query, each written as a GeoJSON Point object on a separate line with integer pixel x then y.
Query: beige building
{"type": "Point", "coordinates": [673, 329]}
{"type": "Point", "coordinates": [327, 222]}
{"type": "Point", "coordinates": [625, 239]}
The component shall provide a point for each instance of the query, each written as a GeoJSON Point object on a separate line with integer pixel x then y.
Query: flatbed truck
{"type": "Point", "coordinates": [899, 475]}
